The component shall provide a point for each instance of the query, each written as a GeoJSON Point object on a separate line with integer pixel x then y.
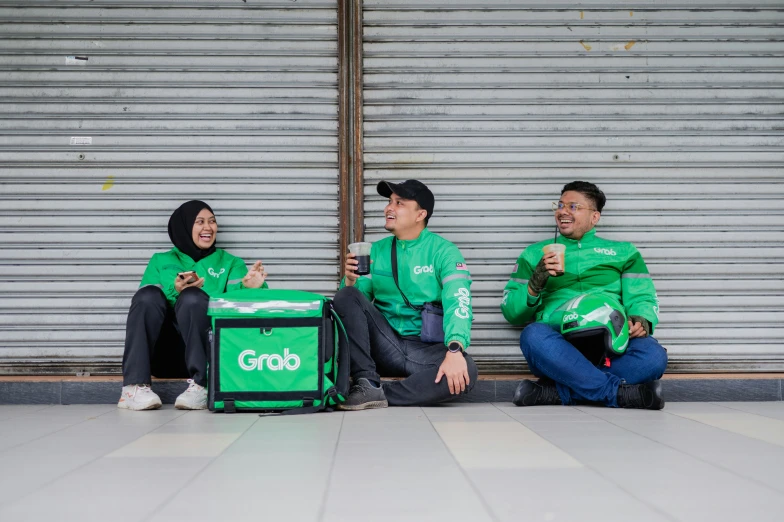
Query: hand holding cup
{"type": "Point", "coordinates": [350, 269]}
{"type": "Point", "coordinates": [554, 258]}
{"type": "Point", "coordinates": [361, 253]}
{"type": "Point", "coordinates": [357, 262]}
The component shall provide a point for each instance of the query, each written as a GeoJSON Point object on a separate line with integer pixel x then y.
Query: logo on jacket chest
{"type": "Point", "coordinates": [423, 270]}
{"type": "Point", "coordinates": [213, 273]}
{"type": "Point", "coordinates": [605, 251]}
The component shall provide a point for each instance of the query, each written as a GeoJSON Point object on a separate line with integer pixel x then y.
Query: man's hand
{"type": "Point", "coordinates": [180, 283]}
{"type": "Point", "coordinates": [351, 267]}
{"type": "Point", "coordinates": [552, 263]}
{"type": "Point", "coordinates": [255, 276]}
{"type": "Point", "coordinates": [638, 327]}
{"type": "Point", "coordinates": [544, 269]}
{"type": "Point", "coordinates": [455, 369]}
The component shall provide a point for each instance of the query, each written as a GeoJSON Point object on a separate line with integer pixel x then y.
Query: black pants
{"type": "Point", "coordinates": [163, 342]}
{"type": "Point", "coordinates": [376, 348]}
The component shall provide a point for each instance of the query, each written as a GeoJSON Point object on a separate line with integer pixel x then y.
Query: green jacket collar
{"type": "Point", "coordinates": [413, 243]}
{"type": "Point", "coordinates": [187, 259]}
{"type": "Point", "coordinates": [182, 256]}
{"type": "Point", "coordinates": [587, 237]}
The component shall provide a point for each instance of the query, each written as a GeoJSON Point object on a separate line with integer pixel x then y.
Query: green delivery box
{"type": "Point", "coordinates": [275, 350]}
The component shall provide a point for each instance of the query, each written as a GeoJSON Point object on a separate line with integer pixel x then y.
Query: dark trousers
{"type": "Point", "coordinates": [376, 348]}
{"type": "Point", "coordinates": [163, 342]}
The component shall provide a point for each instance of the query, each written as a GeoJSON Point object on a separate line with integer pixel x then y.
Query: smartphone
{"type": "Point", "coordinates": [190, 276]}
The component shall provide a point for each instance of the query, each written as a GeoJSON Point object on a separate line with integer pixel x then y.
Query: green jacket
{"type": "Point", "coordinates": [430, 269]}
{"type": "Point", "coordinates": [221, 272]}
{"type": "Point", "coordinates": [593, 264]}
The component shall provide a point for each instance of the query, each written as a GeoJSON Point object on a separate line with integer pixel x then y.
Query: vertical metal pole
{"type": "Point", "coordinates": [357, 122]}
{"type": "Point", "coordinates": [350, 135]}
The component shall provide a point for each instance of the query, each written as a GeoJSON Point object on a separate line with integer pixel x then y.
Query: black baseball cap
{"type": "Point", "coordinates": [410, 189]}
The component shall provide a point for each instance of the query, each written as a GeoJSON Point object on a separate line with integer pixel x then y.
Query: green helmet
{"type": "Point", "coordinates": [594, 323]}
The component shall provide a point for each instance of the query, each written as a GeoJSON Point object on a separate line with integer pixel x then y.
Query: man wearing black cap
{"type": "Point", "coordinates": [388, 331]}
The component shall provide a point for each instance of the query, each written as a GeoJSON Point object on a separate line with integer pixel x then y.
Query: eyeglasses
{"type": "Point", "coordinates": [574, 207]}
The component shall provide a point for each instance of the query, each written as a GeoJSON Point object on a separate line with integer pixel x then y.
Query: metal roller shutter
{"type": "Point", "coordinates": [231, 102]}
{"type": "Point", "coordinates": [673, 108]}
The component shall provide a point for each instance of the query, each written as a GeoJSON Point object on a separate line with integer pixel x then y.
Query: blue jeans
{"type": "Point", "coordinates": [550, 355]}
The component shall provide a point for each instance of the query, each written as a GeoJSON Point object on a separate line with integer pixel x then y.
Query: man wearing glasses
{"type": "Point", "coordinates": [539, 285]}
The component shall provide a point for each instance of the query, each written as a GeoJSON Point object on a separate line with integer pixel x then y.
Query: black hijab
{"type": "Point", "coordinates": [181, 229]}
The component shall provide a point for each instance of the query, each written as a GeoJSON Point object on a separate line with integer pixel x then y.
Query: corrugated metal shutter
{"type": "Point", "coordinates": [231, 102]}
{"type": "Point", "coordinates": [673, 108]}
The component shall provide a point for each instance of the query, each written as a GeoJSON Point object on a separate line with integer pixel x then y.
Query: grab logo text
{"type": "Point", "coordinates": [288, 361]}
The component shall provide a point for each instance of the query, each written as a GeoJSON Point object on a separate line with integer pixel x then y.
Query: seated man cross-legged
{"type": "Point", "coordinates": [383, 316]}
{"type": "Point", "coordinates": [550, 290]}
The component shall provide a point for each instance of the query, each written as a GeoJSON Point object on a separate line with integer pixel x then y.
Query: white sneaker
{"type": "Point", "coordinates": [194, 398]}
{"type": "Point", "coordinates": [139, 397]}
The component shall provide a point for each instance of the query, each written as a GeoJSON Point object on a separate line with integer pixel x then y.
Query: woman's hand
{"type": "Point", "coordinates": [180, 283]}
{"type": "Point", "coordinates": [255, 276]}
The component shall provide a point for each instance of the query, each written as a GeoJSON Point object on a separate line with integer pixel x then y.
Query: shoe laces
{"type": "Point", "coordinates": [630, 395]}
{"type": "Point", "coordinates": [140, 389]}
{"type": "Point", "coordinates": [548, 393]}
{"type": "Point", "coordinates": [192, 386]}
{"type": "Point", "coordinates": [359, 388]}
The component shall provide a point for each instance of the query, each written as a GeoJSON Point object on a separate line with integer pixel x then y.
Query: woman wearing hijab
{"type": "Point", "coordinates": [166, 332]}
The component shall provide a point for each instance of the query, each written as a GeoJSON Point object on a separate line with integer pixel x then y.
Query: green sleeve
{"type": "Point", "coordinates": [153, 275]}
{"type": "Point", "coordinates": [364, 284]}
{"type": "Point", "coordinates": [456, 298]}
{"type": "Point", "coordinates": [637, 291]}
{"type": "Point", "coordinates": [517, 305]}
{"type": "Point", "coordinates": [237, 271]}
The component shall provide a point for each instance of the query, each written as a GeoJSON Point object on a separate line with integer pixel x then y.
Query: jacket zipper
{"type": "Point", "coordinates": [579, 258]}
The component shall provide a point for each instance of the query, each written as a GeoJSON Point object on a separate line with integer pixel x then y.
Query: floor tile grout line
{"type": "Point", "coordinates": [52, 432]}
{"type": "Point", "coordinates": [323, 507]}
{"type": "Point", "coordinates": [482, 499]}
{"type": "Point", "coordinates": [77, 468]}
{"type": "Point", "coordinates": [16, 416]}
{"type": "Point", "coordinates": [700, 459]}
{"type": "Point", "coordinates": [209, 463]}
{"type": "Point", "coordinates": [745, 411]}
{"type": "Point", "coordinates": [655, 508]}
{"type": "Point", "coordinates": [730, 431]}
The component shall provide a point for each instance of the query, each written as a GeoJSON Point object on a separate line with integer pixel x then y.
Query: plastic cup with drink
{"type": "Point", "coordinates": [559, 249]}
{"type": "Point", "coordinates": [361, 253]}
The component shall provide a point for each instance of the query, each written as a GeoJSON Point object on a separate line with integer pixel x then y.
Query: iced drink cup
{"type": "Point", "coordinates": [561, 251]}
{"type": "Point", "coordinates": [361, 252]}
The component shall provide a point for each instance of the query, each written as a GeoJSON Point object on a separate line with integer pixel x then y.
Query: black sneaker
{"type": "Point", "coordinates": [645, 396]}
{"type": "Point", "coordinates": [364, 396]}
{"type": "Point", "coordinates": [530, 393]}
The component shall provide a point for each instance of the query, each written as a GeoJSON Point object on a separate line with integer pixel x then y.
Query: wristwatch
{"type": "Point", "coordinates": [454, 347]}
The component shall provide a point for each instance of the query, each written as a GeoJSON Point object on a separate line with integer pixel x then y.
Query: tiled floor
{"type": "Point", "coordinates": [472, 462]}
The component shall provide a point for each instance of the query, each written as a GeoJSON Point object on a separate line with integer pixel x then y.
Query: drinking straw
{"type": "Point", "coordinates": [555, 239]}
